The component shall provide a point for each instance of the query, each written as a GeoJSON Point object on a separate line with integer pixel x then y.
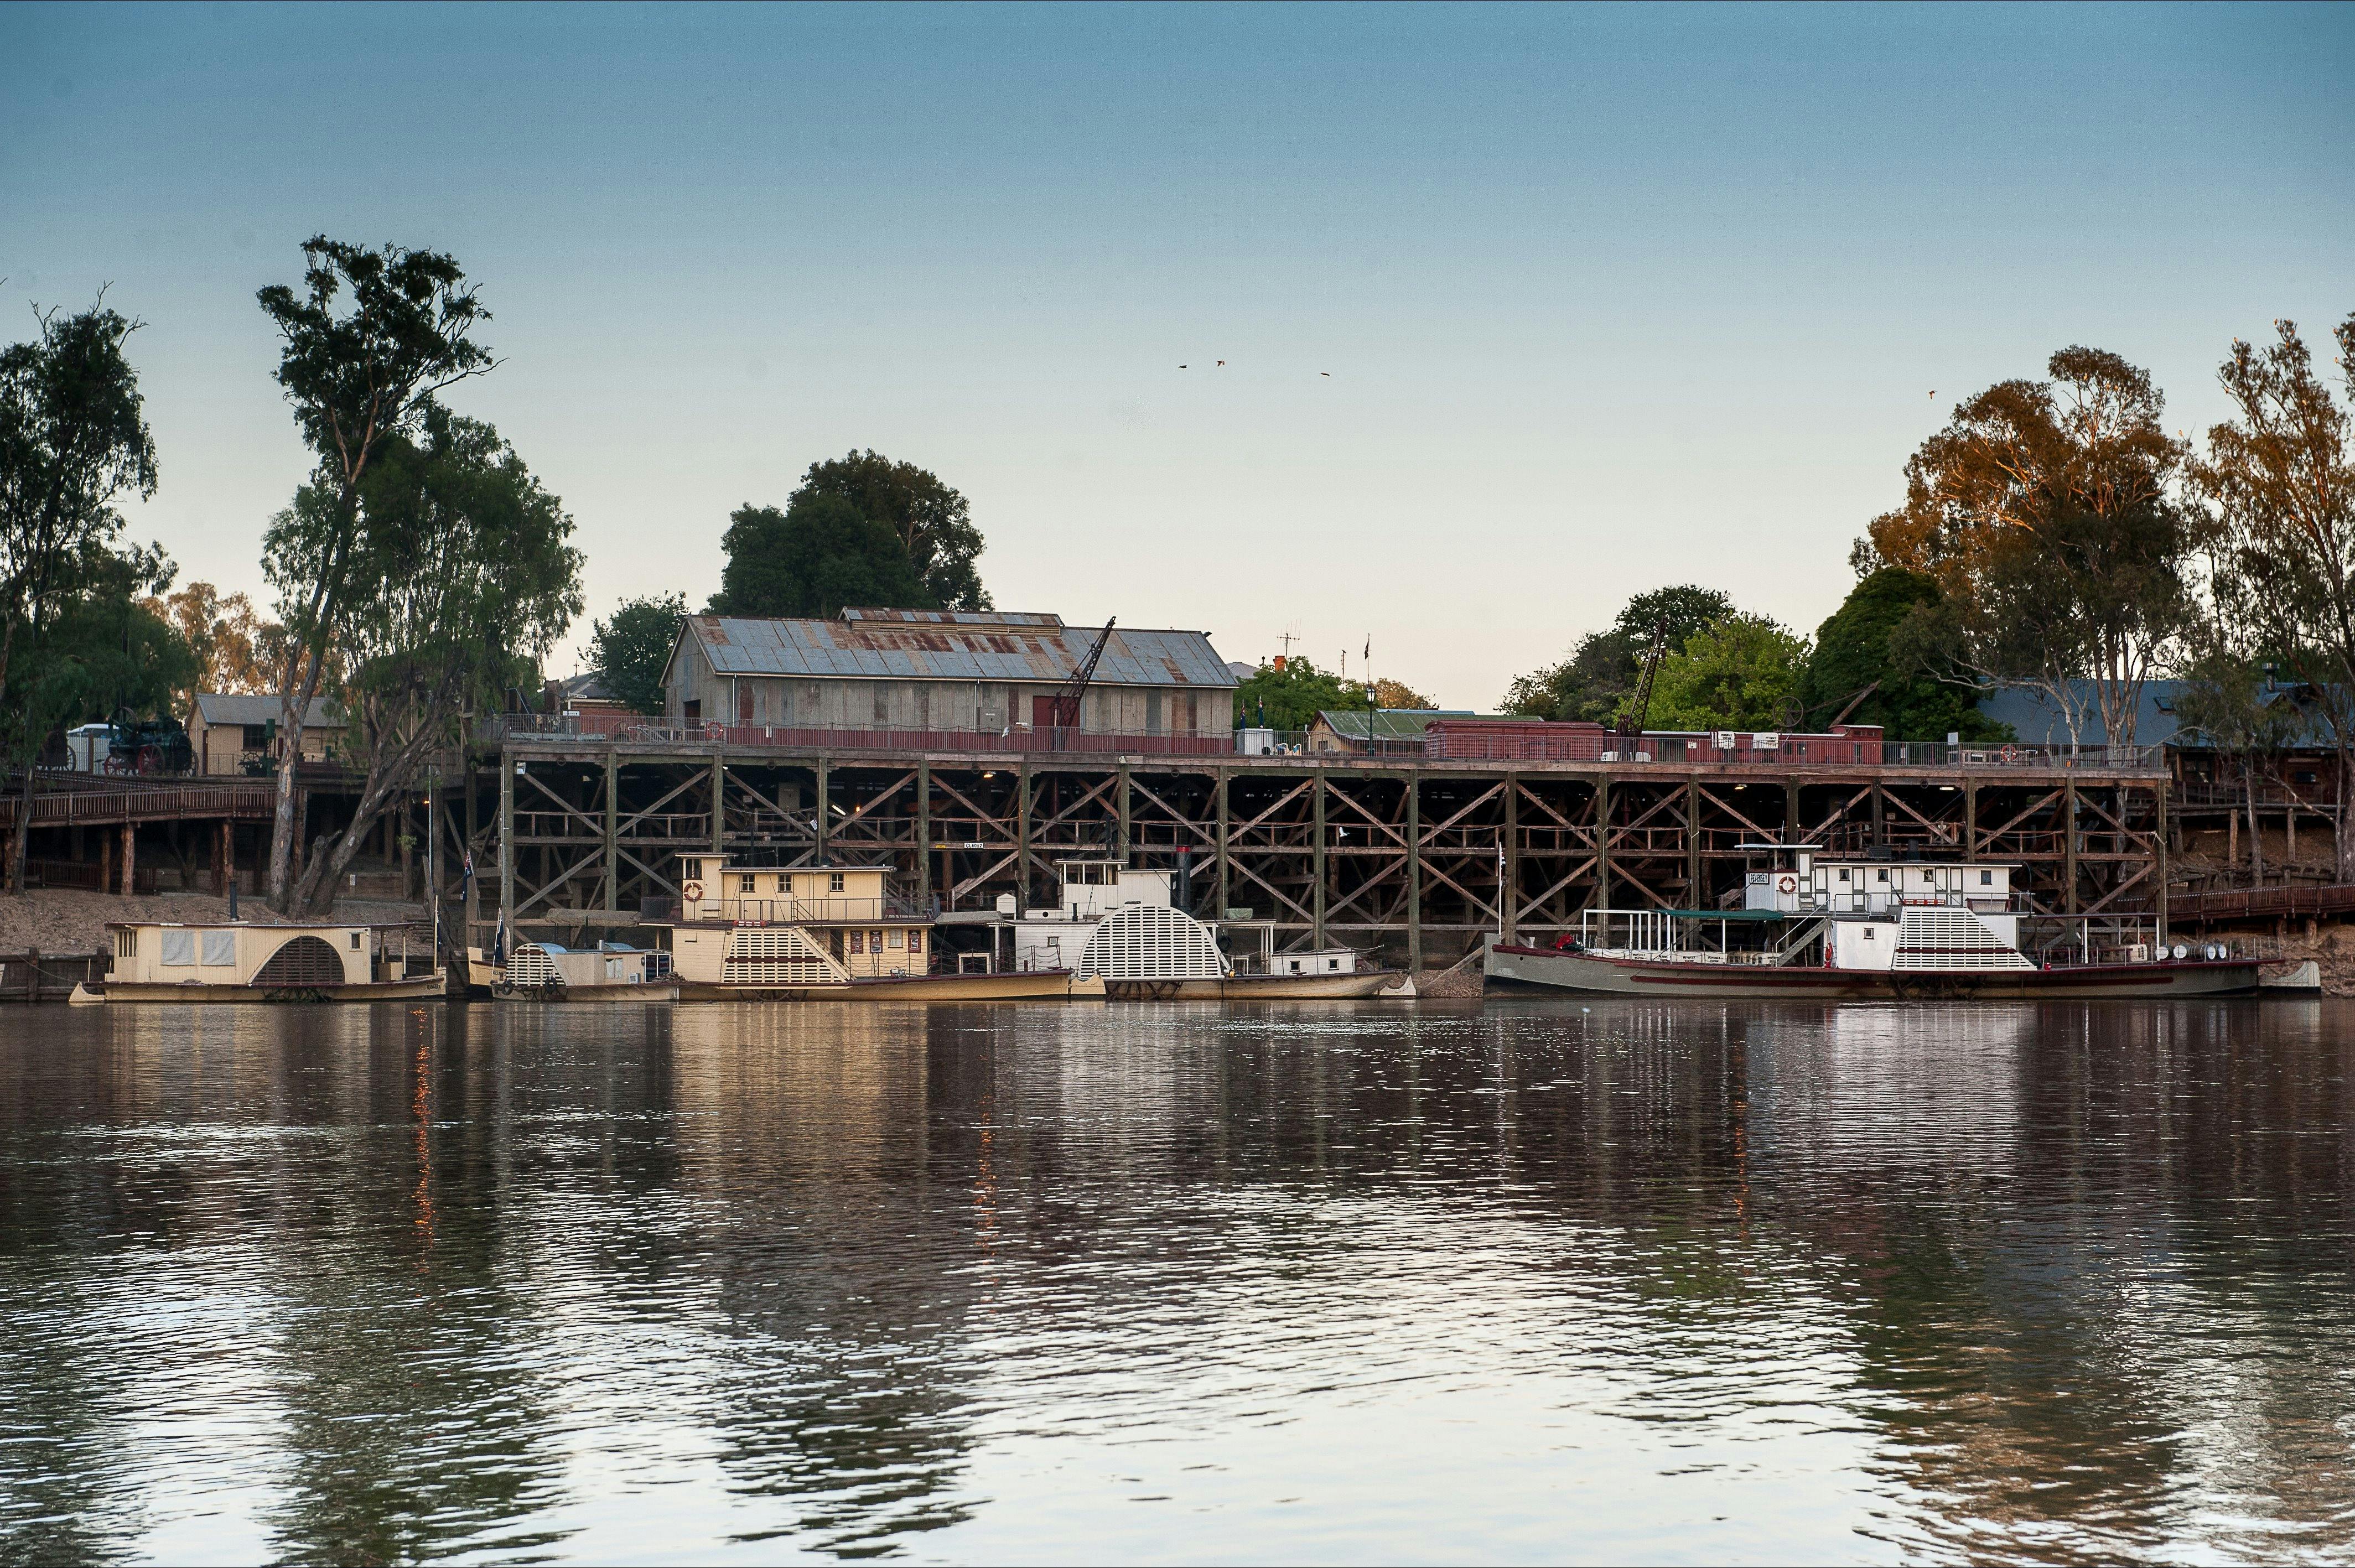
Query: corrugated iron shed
{"type": "Point", "coordinates": [973, 647]}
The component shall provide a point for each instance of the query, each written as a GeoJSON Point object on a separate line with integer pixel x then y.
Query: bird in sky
{"type": "Point", "coordinates": [1221, 361]}
{"type": "Point", "coordinates": [1325, 372]}
{"type": "Point", "coordinates": [1181, 366]}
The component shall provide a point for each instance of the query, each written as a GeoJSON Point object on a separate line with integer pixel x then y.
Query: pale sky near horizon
{"type": "Point", "coordinates": [1524, 309]}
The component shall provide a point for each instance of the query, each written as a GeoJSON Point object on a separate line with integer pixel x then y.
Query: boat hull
{"type": "Point", "coordinates": [424, 987]}
{"type": "Point", "coordinates": [1265, 988]}
{"type": "Point", "coordinates": [1540, 969]}
{"type": "Point", "coordinates": [1029, 986]}
{"type": "Point", "coordinates": [569, 995]}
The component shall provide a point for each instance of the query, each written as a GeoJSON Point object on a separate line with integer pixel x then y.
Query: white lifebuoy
{"type": "Point", "coordinates": [1787, 885]}
{"type": "Point", "coordinates": [692, 892]}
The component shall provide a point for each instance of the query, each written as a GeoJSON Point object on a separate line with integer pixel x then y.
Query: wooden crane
{"type": "Point", "coordinates": [1063, 708]}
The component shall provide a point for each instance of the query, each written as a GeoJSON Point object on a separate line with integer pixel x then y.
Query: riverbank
{"type": "Point", "coordinates": [68, 920]}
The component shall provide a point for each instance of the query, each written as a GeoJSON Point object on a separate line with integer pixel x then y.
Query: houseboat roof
{"type": "Point", "coordinates": [973, 646]}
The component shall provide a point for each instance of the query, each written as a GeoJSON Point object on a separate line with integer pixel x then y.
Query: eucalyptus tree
{"type": "Point", "coordinates": [369, 341]}
{"type": "Point", "coordinates": [467, 578]}
{"type": "Point", "coordinates": [2281, 480]}
{"type": "Point", "coordinates": [73, 441]}
{"type": "Point", "coordinates": [2045, 513]}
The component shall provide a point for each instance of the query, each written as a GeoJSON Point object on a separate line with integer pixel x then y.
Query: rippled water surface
{"type": "Point", "coordinates": [1336, 1282]}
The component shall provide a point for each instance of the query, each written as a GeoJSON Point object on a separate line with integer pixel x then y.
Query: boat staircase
{"type": "Point", "coordinates": [1809, 929]}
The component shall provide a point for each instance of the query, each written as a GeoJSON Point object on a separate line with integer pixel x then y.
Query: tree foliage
{"type": "Point", "coordinates": [1855, 662]}
{"type": "Point", "coordinates": [473, 579]}
{"type": "Point", "coordinates": [367, 345]}
{"type": "Point", "coordinates": [1390, 693]}
{"type": "Point", "coordinates": [108, 658]}
{"type": "Point", "coordinates": [1743, 672]}
{"type": "Point", "coordinates": [2280, 477]}
{"type": "Point", "coordinates": [2045, 513]}
{"type": "Point", "coordinates": [628, 652]}
{"type": "Point", "coordinates": [2226, 699]}
{"type": "Point", "coordinates": [1601, 670]}
{"type": "Point", "coordinates": [73, 439]}
{"type": "Point", "coordinates": [233, 648]}
{"type": "Point", "coordinates": [817, 556]}
{"type": "Point", "coordinates": [932, 522]}
{"type": "Point", "coordinates": [1291, 697]}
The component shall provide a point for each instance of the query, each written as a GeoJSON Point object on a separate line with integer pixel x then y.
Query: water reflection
{"type": "Point", "coordinates": [1533, 1280]}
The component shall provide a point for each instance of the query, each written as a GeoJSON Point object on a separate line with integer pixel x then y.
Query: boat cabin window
{"type": "Point", "coordinates": [747, 884]}
{"type": "Point", "coordinates": [1843, 876]}
{"type": "Point", "coordinates": [355, 942]}
{"type": "Point", "coordinates": [784, 884]}
{"type": "Point", "coordinates": [1987, 879]}
{"type": "Point", "coordinates": [894, 938]}
{"type": "Point", "coordinates": [126, 944]}
{"type": "Point", "coordinates": [1881, 876]}
{"type": "Point", "coordinates": [1868, 934]}
{"type": "Point", "coordinates": [834, 881]}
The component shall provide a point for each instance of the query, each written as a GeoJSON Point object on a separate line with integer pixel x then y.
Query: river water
{"type": "Point", "coordinates": [1322, 1282]}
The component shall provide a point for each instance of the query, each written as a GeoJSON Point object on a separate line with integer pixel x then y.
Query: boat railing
{"type": "Point", "coordinates": [821, 910]}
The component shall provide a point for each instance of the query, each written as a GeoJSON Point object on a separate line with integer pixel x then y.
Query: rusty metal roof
{"type": "Point", "coordinates": [975, 646]}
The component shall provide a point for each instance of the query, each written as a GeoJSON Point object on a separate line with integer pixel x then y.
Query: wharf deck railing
{"type": "Point", "coordinates": [2263, 903]}
{"type": "Point", "coordinates": [619, 730]}
{"type": "Point", "coordinates": [244, 800]}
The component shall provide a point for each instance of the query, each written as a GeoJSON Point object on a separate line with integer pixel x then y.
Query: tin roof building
{"type": "Point", "coordinates": [940, 670]}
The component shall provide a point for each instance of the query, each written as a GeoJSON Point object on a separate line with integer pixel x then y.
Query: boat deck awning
{"type": "Point", "coordinates": [1752, 915]}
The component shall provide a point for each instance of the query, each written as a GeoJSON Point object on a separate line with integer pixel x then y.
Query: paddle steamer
{"type": "Point", "coordinates": [1808, 927]}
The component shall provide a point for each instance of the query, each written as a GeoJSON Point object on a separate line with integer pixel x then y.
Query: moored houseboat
{"type": "Point", "coordinates": [819, 932]}
{"type": "Point", "coordinates": [1124, 927]}
{"type": "Point", "coordinates": [164, 961]}
{"type": "Point", "coordinates": [609, 972]}
{"type": "Point", "coordinates": [1813, 927]}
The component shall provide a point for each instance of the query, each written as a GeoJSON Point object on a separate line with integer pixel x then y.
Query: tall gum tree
{"type": "Point", "coordinates": [2045, 513]}
{"type": "Point", "coordinates": [473, 578]}
{"type": "Point", "coordinates": [73, 439]}
{"type": "Point", "coordinates": [367, 344]}
{"type": "Point", "coordinates": [2281, 481]}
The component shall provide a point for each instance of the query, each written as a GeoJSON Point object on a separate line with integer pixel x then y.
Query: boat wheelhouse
{"type": "Point", "coordinates": [1807, 924]}
{"type": "Point", "coordinates": [236, 960]}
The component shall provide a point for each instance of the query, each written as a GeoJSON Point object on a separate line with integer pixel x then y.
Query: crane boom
{"type": "Point", "coordinates": [1063, 708]}
{"type": "Point", "coordinates": [1632, 721]}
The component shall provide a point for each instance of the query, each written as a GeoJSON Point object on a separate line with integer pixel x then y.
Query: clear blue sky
{"type": "Point", "coordinates": [1609, 297]}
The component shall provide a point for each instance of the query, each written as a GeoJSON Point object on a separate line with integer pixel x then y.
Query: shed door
{"type": "Point", "coordinates": [743, 702]}
{"type": "Point", "coordinates": [1042, 712]}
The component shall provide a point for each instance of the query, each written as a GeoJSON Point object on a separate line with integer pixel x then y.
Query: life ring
{"type": "Point", "coordinates": [692, 892]}
{"type": "Point", "coordinates": [1787, 885]}
{"type": "Point", "coordinates": [2011, 753]}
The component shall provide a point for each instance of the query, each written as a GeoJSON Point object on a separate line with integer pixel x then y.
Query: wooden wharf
{"type": "Point", "coordinates": [1415, 857]}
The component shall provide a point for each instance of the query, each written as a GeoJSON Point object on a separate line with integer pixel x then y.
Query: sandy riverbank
{"type": "Point", "coordinates": [64, 920]}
